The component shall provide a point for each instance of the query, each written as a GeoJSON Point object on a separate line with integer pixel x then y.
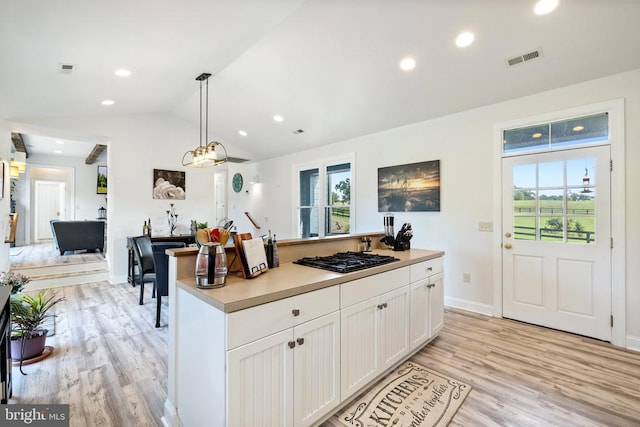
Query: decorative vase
{"type": "Point", "coordinates": [33, 346]}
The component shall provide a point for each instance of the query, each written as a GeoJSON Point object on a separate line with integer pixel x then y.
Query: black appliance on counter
{"type": "Point", "coordinates": [346, 262]}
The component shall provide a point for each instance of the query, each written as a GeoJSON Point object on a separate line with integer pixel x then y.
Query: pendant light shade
{"type": "Point", "coordinates": [205, 154]}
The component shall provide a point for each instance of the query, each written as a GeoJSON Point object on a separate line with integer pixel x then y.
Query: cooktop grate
{"type": "Point", "coordinates": [346, 262]}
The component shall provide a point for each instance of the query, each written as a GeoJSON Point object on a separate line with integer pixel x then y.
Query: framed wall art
{"type": "Point", "coordinates": [413, 187]}
{"type": "Point", "coordinates": [101, 186]}
{"type": "Point", "coordinates": [168, 184]}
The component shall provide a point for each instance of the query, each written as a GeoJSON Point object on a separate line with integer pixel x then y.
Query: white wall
{"type": "Point", "coordinates": [464, 144]}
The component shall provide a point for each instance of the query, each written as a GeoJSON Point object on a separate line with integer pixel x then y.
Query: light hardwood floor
{"type": "Point", "coordinates": [110, 365]}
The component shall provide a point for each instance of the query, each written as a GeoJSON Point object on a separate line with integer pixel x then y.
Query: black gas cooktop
{"type": "Point", "coordinates": [346, 262]}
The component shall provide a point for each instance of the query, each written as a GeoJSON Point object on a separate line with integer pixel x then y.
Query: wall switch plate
{"type": "Point", "coordinates": [466, 277]}
{"type": "Point", "coordinates": [485, 226]}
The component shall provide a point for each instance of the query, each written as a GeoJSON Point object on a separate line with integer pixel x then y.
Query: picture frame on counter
{"type": "Point", "coordinates": [413, 187]}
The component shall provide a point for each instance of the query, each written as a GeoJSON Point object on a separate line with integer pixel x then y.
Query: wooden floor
{"type": "Point", "coordinates": [110, 365]}
{"type": "Point", "coordinates": [45, 254]}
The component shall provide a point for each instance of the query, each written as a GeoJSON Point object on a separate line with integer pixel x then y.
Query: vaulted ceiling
{"type": "Point", "coordinates": [328, 67]}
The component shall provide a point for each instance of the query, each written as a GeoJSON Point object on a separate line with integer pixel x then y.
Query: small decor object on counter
{"type": "Point", "coordinates": [145, 229]}
{"type": "Point", "coordinates": [269, 251]}
{"type": "Point", "coordinates": [15, 280]}
{"type": "Point", "coordinates": [211, 266]}
{"type": "Point", "coordinates": [102, 213]}
{"type": "Point", "coordinates": [172, 219]}
{"type": "Point", "coordinates": [276, 256]}
{"type": "Point", "coordinates": [193, 229]}
{"type": "Point", "coordinates": [402, 240]}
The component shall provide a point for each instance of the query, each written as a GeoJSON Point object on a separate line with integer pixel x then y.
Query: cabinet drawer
{"type": "Point", "coordinates": [426, 269]}
{"type": "Point", "coordinates": [368, 287]}
{"type": "Point", "coordinates": [257, 322]}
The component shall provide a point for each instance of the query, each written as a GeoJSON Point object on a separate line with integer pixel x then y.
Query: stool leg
{"type": "Point", "coordinates": [158, 298]}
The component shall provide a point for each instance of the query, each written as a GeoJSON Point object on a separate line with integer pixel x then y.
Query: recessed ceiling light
{"type": "Point", "coordinates": [464, 39]}
{"type": "Point", "coordinates": [242, 132]}
{"type": "Point", "coordinates": [278, 118]}
{"type": "Point", "coordinates": [57, 151]}
{"type": "Point", "coordinates": [108, 102]}
{"type": "Point", "coordinates": [123, 72]}
{"type": "Point", "coordinates": [59, 142]}
{"type": "Point", "coordinates": [545, 6]}
{"type": "Point", "coordinates": [408, 64]}
{"type": "Point", "coordinates": [536, 135]}
{"type": "Point", "coordinates": [578, 128]}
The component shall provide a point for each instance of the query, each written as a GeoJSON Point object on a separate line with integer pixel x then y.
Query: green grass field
{"type": "Point", "coordinates": [524, 220]}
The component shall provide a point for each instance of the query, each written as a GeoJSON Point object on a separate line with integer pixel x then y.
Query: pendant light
{"type": "Point", "coordinates": [207, 154]}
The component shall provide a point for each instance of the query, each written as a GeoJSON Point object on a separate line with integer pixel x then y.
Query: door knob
{"type": "Point", "coordinates": [507, 234]}
{"type": "Point", "coordinates": [507, 245]}
{"type": "Point", "coordinates": [300, 341]}
{"type": "Point", "coordinates": [295, 312]}
{"type": "Point", "coordinates": [291, 344]}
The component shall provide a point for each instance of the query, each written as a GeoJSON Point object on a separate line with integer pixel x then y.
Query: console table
{"type": "Point", "coordinates": [5, 344]}
{"type": "Point", "coordinates": [187, 239]}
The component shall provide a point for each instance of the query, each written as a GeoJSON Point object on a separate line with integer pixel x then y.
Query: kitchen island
{"type": "Point", "coordinates": [293, 345]}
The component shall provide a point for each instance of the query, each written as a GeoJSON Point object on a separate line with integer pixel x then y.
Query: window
{"type": "Point", "coordinates": [324, 196]}
{"type": "Point", "coordinates": [555, 201]}
{"type": "Point", "coordinates": [554, 135]}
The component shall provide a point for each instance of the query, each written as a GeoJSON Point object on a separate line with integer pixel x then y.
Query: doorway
{"type": "Point", "coordinates": [49, 202]}
{"type": "Point", "coordinates": [556, 253]}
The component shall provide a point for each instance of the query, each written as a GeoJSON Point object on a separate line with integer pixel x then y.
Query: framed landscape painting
{"type": "Point", "coordinates": [168, 184]}
{"type": "Point", "coordinates": [101, 186]}
{"type": "Point", "coordinates": [413, 187]}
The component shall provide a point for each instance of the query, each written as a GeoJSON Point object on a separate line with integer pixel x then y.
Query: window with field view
{"type": "Point", "coordinates": [554, 201]}
{"type": "Point", "coordinates": [324, 206]}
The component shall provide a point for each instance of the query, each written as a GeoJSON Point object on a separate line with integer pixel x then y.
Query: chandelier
{"type": "Point", "coordinates": [205, 154]}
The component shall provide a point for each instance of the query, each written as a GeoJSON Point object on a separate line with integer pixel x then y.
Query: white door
{"type": "Point", "coordinates": [260, 382]}
{"type": "Point", "coordinates": [316, 369]}
{"type": "Point", "coordinates": [49, 203]}
{"type": "Point", "coordinates": [394, 329]}
{"type": "Point", "coordinates": [436, 304]}
{"type": "Point", "coordinates": [220, 184]}
{"type": "Point", "coordinates": [556, 240]}
{"type": "Point", "coordinates": [359, 345]}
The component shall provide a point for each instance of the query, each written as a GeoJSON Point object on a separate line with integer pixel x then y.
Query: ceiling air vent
{"type": "Point", "coordinates": [525, 57]}
{"type": "Point", "coordinates": [236, 160]}
{"type": "Point", "coordinates": [66, 68]}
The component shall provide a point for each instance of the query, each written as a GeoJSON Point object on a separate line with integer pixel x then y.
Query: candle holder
{"type": "Point", "coordinates": [172, 219]}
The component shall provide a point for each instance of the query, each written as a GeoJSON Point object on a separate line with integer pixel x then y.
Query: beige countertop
{"type": "Point", "coordinates": [291, 279]}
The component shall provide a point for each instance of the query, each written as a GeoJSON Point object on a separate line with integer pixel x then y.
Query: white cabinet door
{"type": "Point", "coordinates": [260, 382]}
{"type": "Point", "coordinates": [419, 325]}
{"type": "Point", "coordinates": [436, 303]}
{"type": "Point", "coordinates": [394, 326]}
{"type": "Point", "coordinates": [359, 325]}
{"type": "Point", "coordinates": [316, 370]}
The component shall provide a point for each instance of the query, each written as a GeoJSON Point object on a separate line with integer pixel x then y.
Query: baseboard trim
{"type": "Point", "coordinates": [170, 417]}
{"type": "Point", "coordinates": [633, 343]}
{"type": "Point", "coordinates": [469, 306]}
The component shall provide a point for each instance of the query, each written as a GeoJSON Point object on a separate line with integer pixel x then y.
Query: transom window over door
{"type": "Point", "coordinates": [324, 199]}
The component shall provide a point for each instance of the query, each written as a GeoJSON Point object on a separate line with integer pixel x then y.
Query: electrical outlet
{"type": "Point", "coordinates": [466, 277]}
{"type": "Point", "coordinates": [485, 226]}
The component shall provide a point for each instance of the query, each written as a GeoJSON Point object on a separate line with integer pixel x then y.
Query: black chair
{"type": "Point", "coordinates": [161, 261]}
{"type": "Point", "coordinates": [144, 256]}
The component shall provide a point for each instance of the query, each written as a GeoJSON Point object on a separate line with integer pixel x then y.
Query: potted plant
{"type": "Point", "coordinates": [15, 280]}
{"type": "Point", "coordinates": [28, 312]}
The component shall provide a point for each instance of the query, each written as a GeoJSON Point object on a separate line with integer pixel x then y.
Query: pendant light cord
{"type": "Point", "coordinates": [200, 140]}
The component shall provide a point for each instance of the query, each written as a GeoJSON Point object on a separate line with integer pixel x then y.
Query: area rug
{"type": "Point", "coordinates": [412, 396]}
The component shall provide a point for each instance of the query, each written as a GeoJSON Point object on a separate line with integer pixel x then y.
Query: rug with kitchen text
{"type": "Point", "coordinates": [409, 396]}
